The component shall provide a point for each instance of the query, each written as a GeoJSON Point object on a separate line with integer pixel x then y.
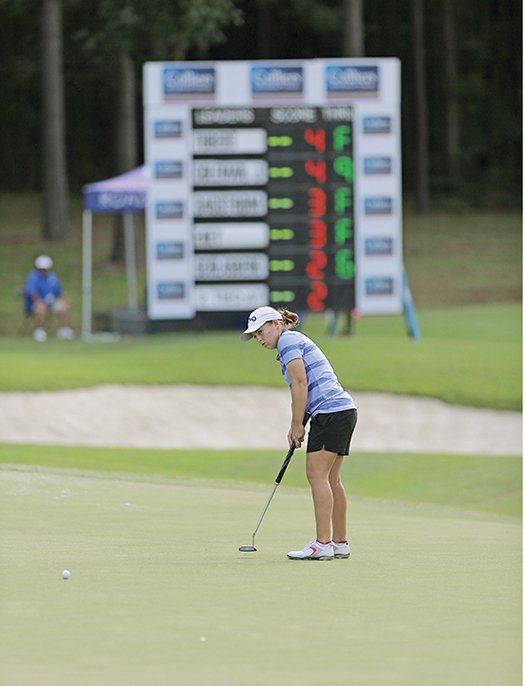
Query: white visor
{"type": "Point", "coordinates": [259, 317]}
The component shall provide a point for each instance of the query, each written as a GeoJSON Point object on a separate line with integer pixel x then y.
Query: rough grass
{"type": "Point", "coordinates": [469, 357]}
{"type": "Point", "coordinates": [452, 259]}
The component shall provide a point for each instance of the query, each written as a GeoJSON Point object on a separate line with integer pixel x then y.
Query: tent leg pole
{"type": "Point", "coordinates": [87, 231]}
{"type": "Point", "coordinates": [131, 260]}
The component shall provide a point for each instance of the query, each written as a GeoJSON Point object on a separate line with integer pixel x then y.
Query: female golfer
{"type": "Point", "coordinates": [316, 393]}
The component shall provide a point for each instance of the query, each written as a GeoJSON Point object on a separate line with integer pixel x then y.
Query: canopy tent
{"type": "Point", "coordinates": [124, 194]}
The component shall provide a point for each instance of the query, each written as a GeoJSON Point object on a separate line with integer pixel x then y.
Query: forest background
{"type": "Point", "coordinates": [71, 73]}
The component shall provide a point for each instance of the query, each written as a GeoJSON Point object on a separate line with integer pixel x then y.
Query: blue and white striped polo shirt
{"type": "Point", "coordinates": [325, 393]}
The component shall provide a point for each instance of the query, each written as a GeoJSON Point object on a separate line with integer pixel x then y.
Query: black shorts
{"type": "Point", "coordinates": [332, 432]}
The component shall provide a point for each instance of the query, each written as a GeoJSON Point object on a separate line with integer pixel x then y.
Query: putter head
{"type": "Point", "coordinates": [247, 549]}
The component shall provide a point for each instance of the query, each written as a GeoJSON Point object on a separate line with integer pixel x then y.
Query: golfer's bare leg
{"type": "Point", "coordinates": [318, 467]}
{"type": "Point", "coordinates": [339, 509]}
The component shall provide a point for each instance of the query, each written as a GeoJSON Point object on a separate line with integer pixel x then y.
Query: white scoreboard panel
{"type": "Point", "coordinates": [273, 182]}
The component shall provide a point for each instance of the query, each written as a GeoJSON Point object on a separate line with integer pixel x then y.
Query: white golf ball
{"type": "Point", "coordinates": [203, 638]}
{"type": "Point", "coordinates": [66, 574]}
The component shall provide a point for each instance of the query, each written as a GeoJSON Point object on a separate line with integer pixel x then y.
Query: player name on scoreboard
{"type": "Point", "coordinates": [222, 204]}
{"type": "Point", "coordinates": [217, 172]}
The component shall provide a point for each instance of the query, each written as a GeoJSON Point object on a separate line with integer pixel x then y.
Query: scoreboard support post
{"type": "Point", "coordinates": [409, 310]}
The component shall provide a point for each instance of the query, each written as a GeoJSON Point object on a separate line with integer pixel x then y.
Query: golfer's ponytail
{"type": "Point", "coordinates": [290, 319]}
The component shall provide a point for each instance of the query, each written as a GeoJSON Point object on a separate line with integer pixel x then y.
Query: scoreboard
{"type": "Point", "coordinates": [289, 220]}
{"type": "Point", "coordinates": [254, 197]}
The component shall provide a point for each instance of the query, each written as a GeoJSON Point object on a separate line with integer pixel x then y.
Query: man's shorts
{"type": "Point", "coordinates": [332, 432]}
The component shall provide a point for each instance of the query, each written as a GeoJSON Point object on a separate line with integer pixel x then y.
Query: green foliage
{"type": "Point", "coordinates": [488, 87]}
{"type": "Point", "coordinates": [135, 26]}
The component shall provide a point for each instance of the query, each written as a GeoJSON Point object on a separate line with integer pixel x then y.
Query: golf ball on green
{"type": "Point", "coordinates": [66, 574]}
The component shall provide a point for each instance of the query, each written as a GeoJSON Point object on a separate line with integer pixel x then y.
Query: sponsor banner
{"type": "Point", "coordinates": [169, 250]}
{"type": "Point", "coordinates": [375, 124]}
{"type": "Point", "coordinates": [377, 164]}
{"type": "Point", "coordinates": [379, 246]}
{"type": "Point", "coordinates": [167, 128]}
{"type": "Point", "coordinates": [379, 285]}
{"type": "Point", "coordinates": [170, 290]}
{"type": "Point", "coordinates": [240, 235]}
{"type": "Point", "coordinates": [229, 141]}
{"type": "Point", "coordinates": [168, 169]}
{"type": "Point", "coordinates": [275, 81]}
{"type": "Point", "coordinates": [231, 266]}
{"type": "Point", "coordinates": [179, 82]}
{"type": "Point", "coordinates": [230, 298]}
{"type": "Point", "coordinates": [230, 172]}
{"type": "Point", "coordinates": [229, 204]}
{"type": "Point", "coordinates": [378, 205]}
{"type": "Point", "coordinates": [169, 209]}
{"type": "Point", "coordinates": [349, 80]}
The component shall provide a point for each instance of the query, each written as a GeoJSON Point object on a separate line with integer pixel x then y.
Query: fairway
{"type": "Point", "coordinates": [160, 594]}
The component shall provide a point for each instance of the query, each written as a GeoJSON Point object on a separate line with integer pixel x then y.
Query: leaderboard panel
{"type": "Point", "coordinates": [286, 232]}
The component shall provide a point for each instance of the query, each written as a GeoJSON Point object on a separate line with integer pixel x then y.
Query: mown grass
{"type": "Point", "coordinates": [160, 594]}
{"type": "Point", "coordinates": [488, 484]}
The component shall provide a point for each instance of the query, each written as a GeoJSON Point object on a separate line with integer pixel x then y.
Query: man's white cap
{"type": "Point", "coordinates": [257, 318]}
{"type": "Point", "coordinates": [43, 262]}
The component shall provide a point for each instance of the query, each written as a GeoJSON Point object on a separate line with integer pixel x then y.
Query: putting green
{"type": "Point", "coordinates": [160, 594]}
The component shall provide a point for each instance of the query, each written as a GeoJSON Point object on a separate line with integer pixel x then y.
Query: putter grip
{"type": "Point", "coordinates": [285, 464]}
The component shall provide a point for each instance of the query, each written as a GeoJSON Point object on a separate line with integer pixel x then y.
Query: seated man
{"type": "Point", "coordinates": [43, 293]}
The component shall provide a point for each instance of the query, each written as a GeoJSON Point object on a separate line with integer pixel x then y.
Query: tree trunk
{"type": "Point", "coordinates": [55, 183]}
{"type": "Point", "coordinates": [353, 29]}
{"type": "Point", "coordinates": [451, 95]}
{"type": "Point", "coordinates": [264, 29]}
{"type": "Point", "coordinates": [126, 139]}
{"type": "Point", "coordinates": [422, 185]}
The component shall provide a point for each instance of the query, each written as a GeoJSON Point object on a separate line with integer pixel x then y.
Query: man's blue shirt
{"type": "Point", "coordinates": [46, 286]}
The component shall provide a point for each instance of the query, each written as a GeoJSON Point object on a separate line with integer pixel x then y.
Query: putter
{"type": "Point", "coordinates": [251, 548]}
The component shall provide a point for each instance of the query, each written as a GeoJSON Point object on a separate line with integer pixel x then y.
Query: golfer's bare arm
{"type": "Point", "coordinates": [299, 391]}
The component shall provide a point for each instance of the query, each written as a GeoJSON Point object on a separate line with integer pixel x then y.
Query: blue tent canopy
{"type": "Point", "coordinates": [125, 194]}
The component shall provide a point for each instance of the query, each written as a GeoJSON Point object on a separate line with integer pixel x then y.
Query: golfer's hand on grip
{"type": "Point", "coordinates": [296, 435]}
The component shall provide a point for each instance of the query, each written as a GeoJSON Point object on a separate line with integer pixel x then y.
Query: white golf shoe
{"type": "Point", "coordinates": [65, 333]}
{"type": "Point", "coordinates": [313, 551]}
{"type": "Point", "coordinates": [341, 550]}
{"type": "Point", "coordinates": [39, 335]}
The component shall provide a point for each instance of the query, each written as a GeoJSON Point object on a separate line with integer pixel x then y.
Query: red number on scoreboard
{"type": "Point", "coordinates": [316, 202]}
{"type": "Point", "coordinates": [316, 169]}
{"type": "Point", "coordinates": [317, 233]}
{"type": "Point", "coordinates": [316, 138]}
{"type": "Point", "coordinates": [315, 299]}
{"type": "Point", "coordinates": [314, 268]}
